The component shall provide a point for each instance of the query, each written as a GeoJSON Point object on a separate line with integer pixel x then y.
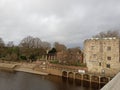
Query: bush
{"type": "Point", "coordinates": [54, 61]}
{"type": "Point", "coordinates": [23, 58]}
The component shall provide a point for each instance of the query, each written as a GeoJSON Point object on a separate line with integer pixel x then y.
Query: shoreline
{"type": "Point", "coordinates": [30, 71]}
{"type": "Point", "coordinates": [22, 67]}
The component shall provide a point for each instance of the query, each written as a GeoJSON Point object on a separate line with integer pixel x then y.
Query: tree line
{"type": "Point", "coordinates": [33, 48]}
{"type": "Point", "coordinates": [29, 48]}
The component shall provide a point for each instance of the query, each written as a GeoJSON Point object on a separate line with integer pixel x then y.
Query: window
{"type": "Point", "coordinates": [94, 55]}
{"type": "Point", "coordinates": [108, 58]}
{"type": "Point", "coordinates": [108, 48]}
{"type": "Point", "coordinates": [99, 63]}
{"type": "Point", "coordinates": [92, 47]}
{"type": "Point", "coordinates": [108, 65]}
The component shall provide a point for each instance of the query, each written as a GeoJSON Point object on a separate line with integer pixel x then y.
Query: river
{"type": "Point", "coordinates": [26, 81]}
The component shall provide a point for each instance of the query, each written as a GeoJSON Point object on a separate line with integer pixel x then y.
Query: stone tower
{"type": "Point", "coordinates": [102, 55]}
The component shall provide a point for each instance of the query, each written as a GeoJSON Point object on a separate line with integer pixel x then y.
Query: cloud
{"type": "Point", "coordinates": [66, 21]}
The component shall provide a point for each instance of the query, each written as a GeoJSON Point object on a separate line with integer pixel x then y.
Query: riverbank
{"type": "Point", "coordinates": [44, 68]}
{"type": "Point", "coordinates": [68, 72]}
{"type": "Point", "coordinates": [23, 67]}
{"type": "Point", "coordinates": [30, 71]}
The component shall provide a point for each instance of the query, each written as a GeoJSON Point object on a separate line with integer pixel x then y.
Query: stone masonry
{"type": "Point", "coordinates": [102, 55]}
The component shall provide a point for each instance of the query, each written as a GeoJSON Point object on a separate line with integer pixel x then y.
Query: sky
{"type": "Point", "coordinates": [69, 22]}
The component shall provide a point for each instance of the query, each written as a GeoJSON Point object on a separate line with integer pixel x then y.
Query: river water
{"type": "Point", "coordinates": [26, 81]}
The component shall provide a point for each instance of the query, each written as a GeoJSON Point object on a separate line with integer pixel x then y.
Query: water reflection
{"type": "Point", "coordinates": [78, 82]}
{"type": "Point", "coordinates": [25, 81]}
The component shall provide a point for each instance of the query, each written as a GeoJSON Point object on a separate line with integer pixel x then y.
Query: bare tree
{"type": "Point", "coordinates": [31, 47]}
{"type": "Point", "coordinates": [2, 44]}
{"type": "Point", "coordinates": [46, 45]}
{"type": "Point", "coordinates": [27, 42]}
{"type": "Point", "coordinates": [10, 44]}
{"type": "Point", "coordinates": [74, 55]}
{"type": "Point", "coordinates": [37, 43]}
{"type": "Point", "coordinates": [2, 49]}
{"type": "Point", "coordinates": [114, 33]}
{"type": "Point", "coordinates": [31, 42]}
{"type": "Point", "coordinates": [71, 56]}
{"type": "Point", "coordinates": [59, 47]}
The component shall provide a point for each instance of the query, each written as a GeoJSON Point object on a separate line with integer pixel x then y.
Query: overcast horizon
{"type": "Point", "coordinates": [69, 22]}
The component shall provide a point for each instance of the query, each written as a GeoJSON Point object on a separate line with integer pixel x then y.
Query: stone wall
{"type": "Point", "coordinates": [102, 55]}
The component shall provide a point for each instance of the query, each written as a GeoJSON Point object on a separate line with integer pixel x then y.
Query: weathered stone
{"type": "Point", "coordinates": [102, 55]}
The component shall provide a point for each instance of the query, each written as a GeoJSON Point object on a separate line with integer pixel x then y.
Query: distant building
{"type": "Point", "coordinates": [102, 55]}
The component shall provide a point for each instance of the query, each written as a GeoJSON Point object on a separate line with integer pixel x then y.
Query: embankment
{"type": "Point", "coordinates": [23, 67]}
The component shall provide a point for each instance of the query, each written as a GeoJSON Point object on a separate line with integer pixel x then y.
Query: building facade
{"type": "Point", "coordinates": [102, 55]}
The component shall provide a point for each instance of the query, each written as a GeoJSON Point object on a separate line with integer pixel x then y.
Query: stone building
{"type": "Point", "coordinates": [102, 55]}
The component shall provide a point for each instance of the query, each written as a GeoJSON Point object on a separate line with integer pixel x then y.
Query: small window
{"type": "Point", "coordinates": [92, 47]}
{"type": "Point", "coordinates": [94, 55]}
{"type": "Point", "coordinates": [99, 63]}
{"type": "Point", "coordinates": [108, 65]}
{"type": "Point", "coordinates": [109, 48]}
{"type": "Point", "coordinates": [108, 58]}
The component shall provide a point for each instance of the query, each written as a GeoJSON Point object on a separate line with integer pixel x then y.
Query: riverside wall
{"type": "Point", "coordinates": [59, 70]}
{"type": "Point", "coordinates": [20, 66]}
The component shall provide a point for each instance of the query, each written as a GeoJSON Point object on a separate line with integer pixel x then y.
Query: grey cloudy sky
{"type": "Point", "coordinates": [67, 21]}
